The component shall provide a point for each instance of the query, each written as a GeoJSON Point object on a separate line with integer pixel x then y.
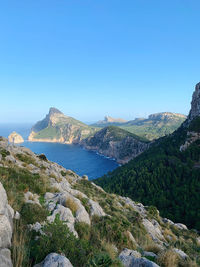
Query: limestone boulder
{"type": "Point", "coordinates": [54, 260]}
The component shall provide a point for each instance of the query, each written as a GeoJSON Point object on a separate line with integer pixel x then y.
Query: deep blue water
{"type": "Point", "coordinates": [69, 156]}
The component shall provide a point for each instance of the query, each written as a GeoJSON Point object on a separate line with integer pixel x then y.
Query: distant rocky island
{"type": "Point", "coordinates": [15, 138]}
{"type": "Point", "coordinates": [153, 127]}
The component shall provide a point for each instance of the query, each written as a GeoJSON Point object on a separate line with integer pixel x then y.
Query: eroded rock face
{"type": "Point", "coordinates": [54, 260]}
{"type": "Point", "coordinates": [6, 229]}
{"type": "Point", "coordinates": [195, 104]}
{"type": "Point", "coordinates": [15, 138]}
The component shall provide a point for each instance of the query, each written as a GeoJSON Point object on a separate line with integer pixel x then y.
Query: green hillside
{"type": "Point", "coordinates": [163, 176]}
{"type": "Point", "coordinates": [155, 126]}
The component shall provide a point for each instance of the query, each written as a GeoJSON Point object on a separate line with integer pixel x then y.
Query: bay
{"type": "Point", "coordinates": [71, 157]}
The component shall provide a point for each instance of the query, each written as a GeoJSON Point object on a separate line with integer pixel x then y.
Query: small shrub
{"type": "Point", "coordinates": [60, 240]}
{"type": "Point", "coordinates": [42, 157]}
{"type": "Point", "coordinates": [32, 213]}
{"type": "Point", "coordinates": [4, 153]}
{"type": "Point", "coordinates": [63, 173]}
{"type": "Point", "coordinates": [26, 159]}
{"type": "Point", "coordinates": [83, 230]}
{"type": "Point", "coordinates": [101, 260]}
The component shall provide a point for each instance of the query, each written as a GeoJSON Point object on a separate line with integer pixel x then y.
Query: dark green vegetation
{"type": "Point", "coordinates": [155, 126]}
{"type": "Point", "coordinates": [111, 133]}
{"type": "Point", "coordinates": [164, 177]}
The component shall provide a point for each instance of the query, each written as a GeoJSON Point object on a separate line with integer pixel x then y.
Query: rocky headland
{"type": "Point", "coordinates": [15, 138]}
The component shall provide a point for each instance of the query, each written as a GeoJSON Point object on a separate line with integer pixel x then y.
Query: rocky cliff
{"type": "Point", "coordinates": [57, 127]}
{"type": "Point", "coordinates": [15, 138]}
{"type": "Point", "coordinates": [195, 104]}
{"type": "Point", "coordinates": [6, 229]}
{"type": "Point", "coordinates": [116, 143]}
{"type": "Point", "coordinates": [66, 220]}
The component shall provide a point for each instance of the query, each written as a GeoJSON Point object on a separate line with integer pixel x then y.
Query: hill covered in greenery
{"type": "Point", "coordinates": [155, 126]}
{"type": "Point", "coordinates": [57, 127]}
{"type": "Point", "coordinates": [117, 143]}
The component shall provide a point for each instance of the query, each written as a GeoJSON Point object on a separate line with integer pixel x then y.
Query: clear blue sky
{"type": "Point", "coordinates": [91, 58]}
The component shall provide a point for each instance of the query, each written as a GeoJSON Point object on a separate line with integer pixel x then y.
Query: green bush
{"type": "Point", "coordinates": [42, 157]}
{"type": "Point", "coordinates": [101, 260]}
{"type": "Point", "coordinates": [4, 153]}
{"type": "Point", "coordinates": [32, 213]}
{"type": "Point", "coordinates": [59, 239]}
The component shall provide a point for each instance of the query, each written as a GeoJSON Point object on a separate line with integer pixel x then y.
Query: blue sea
{"type": "Point", "coordinates": [69, 156]}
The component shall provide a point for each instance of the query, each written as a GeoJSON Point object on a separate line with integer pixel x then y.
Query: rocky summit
{"type": "Point", "coordinates": [57, 127]}
{"type": "Point", "coordinates": [50, 216]}
{"type": "Point", "coordinates": [195, 104]}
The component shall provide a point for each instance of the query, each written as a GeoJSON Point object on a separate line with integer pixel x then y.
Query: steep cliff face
{"type": "Point", "coordinates": [116, 143]}
{"type": "Point", "coordinates": [57, 127]}
{"type": "Point", "coordinates": [195, 104]}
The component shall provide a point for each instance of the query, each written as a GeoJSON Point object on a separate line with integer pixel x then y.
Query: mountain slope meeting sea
{"type": "Point", "coordinates": [50, 216]}
{"type": "Point", "coordinates": [111, 141]}
{"type": "Point", "coordinates": [155, 126]}
{"type": "Point", "coordinates": [57, 127]}
{"type": "Point", "coordinates": [116, 143]}
{"type": "Point", "coordinates": [167, 175]}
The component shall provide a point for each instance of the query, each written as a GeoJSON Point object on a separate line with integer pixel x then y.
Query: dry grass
{"type": "Point", "coordinates": [110, 249]}
{"type": "Point", "coordinates": [19, 249]}
{"type": "Point", "coordinates": [151, 246]}
{"type": "Point", "coordinates": [71, 204]}
{"type": "Point", "coordinates": [169, 235]}
{"type": "Point", "coordinates": [168, 258]}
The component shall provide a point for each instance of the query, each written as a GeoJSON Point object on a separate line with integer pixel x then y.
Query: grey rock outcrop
{"type": "Point", "coordinates": [195, 104]}
{"type": "Point", "coordinates": [132, 258]}
{"type": "Point", "coordinates": [54, 260]}
{"type": "Point", "coordinates": [6, 229]}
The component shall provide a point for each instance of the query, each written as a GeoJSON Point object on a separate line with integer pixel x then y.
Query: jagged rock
{"type": "Point", "coordinates": [5, 258]}
{"type": "Point", "coordinates": [181, 253]}
{"type": "Point", "coordinates": [154, 230]}
{"type": "Point", "coordinates": [131, 238]}
{"type": "Point", "coordinates": [136, 206]}
{"type": "Point", "coordinates": [96, 209]}
{"type": "Point", "coordinates": [10, 158]}
{"type": "Point", "coordinates": [195, 104]}
{"type": "Point", "coordinates": [15, 138]}
{"type": "Point", "coordinates": [54, 260]}
{"type": "Point", "coordinates": [65, 215]}
{"type": "Point", "coordinates": [131, 258]}
{"type": "Point", "coordinates": [181, 226]}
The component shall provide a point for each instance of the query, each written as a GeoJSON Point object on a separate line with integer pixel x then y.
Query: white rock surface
{"type": "Point", "coordinates": [131, 258]}
{"type": "Point", "coordinates": [181, 253]}
{"type": "Point", "coordinates": [6, 229]}
{"type": "Point", "coordinates": [54, 260]}
{"type": "Point", "coordinates": [96, 209]}
{"type": "Point", "coordinates": [154, 230]}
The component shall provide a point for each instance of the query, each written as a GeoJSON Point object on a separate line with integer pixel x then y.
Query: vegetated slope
{"type": "Point", "coordinates": [117, 143]}
{"type": "Point", "coordinates": [155, 126]}
{"type": "Point", "coordinates": [167, 175]}
{"type": "Point", "coordinates": [57, 127]}
{"type": "Point", "coordinates": [64, 213]}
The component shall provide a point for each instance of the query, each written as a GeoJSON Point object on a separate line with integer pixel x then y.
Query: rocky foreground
{"type": "Point", "coordinates": [50, 216]}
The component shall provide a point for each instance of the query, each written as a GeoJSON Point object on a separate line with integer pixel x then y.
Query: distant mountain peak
{"type": "Point", "coordinates": [195, 104]}
{"type": "Point", "coordinates": [53, 110]}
